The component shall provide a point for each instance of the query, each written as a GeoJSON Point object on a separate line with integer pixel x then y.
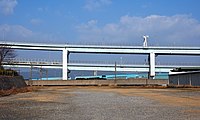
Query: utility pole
{"type": "Point", "coordinates": [46, 74]}
{"type": "Point", "coordinates": [121, 61]}
{"type": "Point", "coordinates": [115, 71]}
{"type": "Point", "coordinates": [40, 70]}
{"type": "Point", "coordinates": [31, 70]}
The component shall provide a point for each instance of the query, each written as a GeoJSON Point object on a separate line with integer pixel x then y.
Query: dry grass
{"type": "Point", "coordinates": [164, 96]}
{"type": "Point", "coordinates": [17, 90]}
{"type": "Point", "coordinates": [161, 95]}
{"type": "Point", "coordinates": [47, 94]}
{"type": "Point", "coordinates": [41, 98]}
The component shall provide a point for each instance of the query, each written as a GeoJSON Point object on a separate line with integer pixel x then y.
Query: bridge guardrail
{"type": "Point", "coordinates": [58, 62]}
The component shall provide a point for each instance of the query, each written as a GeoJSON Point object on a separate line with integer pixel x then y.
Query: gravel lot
{"type": "Point", "coordinates": [102, 103]}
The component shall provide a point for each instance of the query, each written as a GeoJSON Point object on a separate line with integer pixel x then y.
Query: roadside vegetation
{"type": "Point", "coordinates": [18, 90]}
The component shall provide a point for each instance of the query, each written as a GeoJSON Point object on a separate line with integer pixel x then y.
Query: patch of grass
{"type": "Point", "coordinates": [17, 90]}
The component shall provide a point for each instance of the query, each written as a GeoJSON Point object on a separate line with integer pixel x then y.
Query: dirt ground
{"type": "Point", "coordinates": [121, 103]}
{"type": "Point", "coordinates": [170, 96]}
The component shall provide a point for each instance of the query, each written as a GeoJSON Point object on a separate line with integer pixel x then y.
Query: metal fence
{"type": "Point", "coordinates": [186, 79]}
{"type": "Point", "coordinates": [59, 62]}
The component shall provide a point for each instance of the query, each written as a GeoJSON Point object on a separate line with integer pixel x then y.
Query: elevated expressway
{"type": "Point", "coordinates": [97, 65]}
{"type": "Point", "coordinates": [66, 49]}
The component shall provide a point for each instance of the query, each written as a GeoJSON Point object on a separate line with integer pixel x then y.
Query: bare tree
{"type": "Point", "coordinates": [6, 54]}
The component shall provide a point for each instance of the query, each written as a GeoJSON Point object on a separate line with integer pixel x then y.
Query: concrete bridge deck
{"type": "Point", "coordinates": [67, 49]}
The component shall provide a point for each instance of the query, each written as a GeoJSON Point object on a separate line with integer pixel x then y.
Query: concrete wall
{"type": "Point", "coordinates": [188, 79]}
{"type": "Point", "coordinates": [97, 82]}
{"type": "Point", "coordinates": [8, 82]}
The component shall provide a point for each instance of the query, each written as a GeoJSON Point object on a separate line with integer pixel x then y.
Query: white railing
{"type": "Point", "coordinates": [34, 61]}
{"type": "Point", "coordinates": [58, 62]}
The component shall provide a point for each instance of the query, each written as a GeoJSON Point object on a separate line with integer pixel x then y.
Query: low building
{"type": "Point", "coordinates": [184, 77]}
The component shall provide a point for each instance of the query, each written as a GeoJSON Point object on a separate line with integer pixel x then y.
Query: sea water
{"type": "Point", "coordinates": [56, 74]}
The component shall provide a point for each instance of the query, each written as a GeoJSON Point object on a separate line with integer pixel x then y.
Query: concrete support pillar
{"type": "Point", "coordinates": [65, 63]}
{"type": "Point", "coordinates": [152, 66]}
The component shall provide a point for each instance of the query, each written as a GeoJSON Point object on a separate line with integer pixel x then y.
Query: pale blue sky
{"type": "Point", "coordinates": [167, 22]}
{"type": "Point", "coordinates": [174, 22]}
